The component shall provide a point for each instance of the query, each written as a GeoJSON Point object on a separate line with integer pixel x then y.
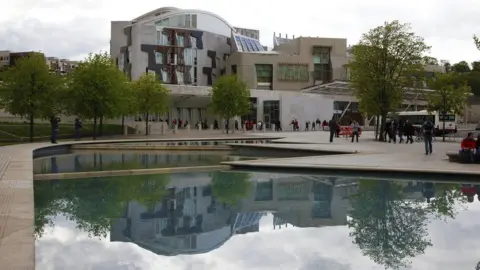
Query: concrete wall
{"type": "Point", "coordinates": [295, 105]}
{"type": "Point", "coordinates": [297, 51]}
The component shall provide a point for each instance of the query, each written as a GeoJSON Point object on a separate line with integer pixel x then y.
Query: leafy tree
{"type": "Point", "coordinates": [230, 187]}
{"type": "Point", "coordinates": [386, 227]}
{"type": "Point", "coordinates": [476, 40]}
{"type": "Point", "coordinates": [97, 89]}
{"type": "Point", "coordinates": [428, 60]}
{"type": "Point", "coordinates": [230, 97]}
{"type": "Point", "coordinates": [150, 96]}
{"type": "Point", "coordinates": [476, 66]}
{"type": "Point", "coordinates": [29, 89]}
{"type": "Point", "coordinates": [384, 60]}
{"type": "Point", "coordinates": [449, 96]}
{"type": "Point", "coordinates": [446, 64]}
{"type": "Point", "coordinates": [461, 67]}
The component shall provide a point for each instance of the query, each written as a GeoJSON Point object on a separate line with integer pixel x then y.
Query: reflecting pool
{"type": "Point", "coordinates": [233, 220]}
{"type": "Point", "coordinates": [85, 161]}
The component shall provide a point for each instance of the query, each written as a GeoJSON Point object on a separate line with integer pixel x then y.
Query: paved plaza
{"type": "Point", "coordinates": [371, 155]}
{"type": "Point", "coordinates": [17, 244]}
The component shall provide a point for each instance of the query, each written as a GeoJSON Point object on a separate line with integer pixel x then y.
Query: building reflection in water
{"type": "Point", "coordinates": [190, 220]}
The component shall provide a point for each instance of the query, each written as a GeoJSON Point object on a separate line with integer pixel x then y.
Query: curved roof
{"type": "Point", "coordinates": [172, 11]}
{"type": "Point", "coordinates": [155, 11]}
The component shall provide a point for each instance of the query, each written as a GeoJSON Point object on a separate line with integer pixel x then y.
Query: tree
{"type": "Point", "coordinates": [428, 60]}
{"type": "Point", "coordinates": [97, 89]}
{"type": "Point", "coordinates": [387, 228]}
{"type": "Point", "coordinates": [446, 64]}
{"type": "Point", "coordinates": [476, 66]}
{"type": "Point", "coordinates": [230, 97]}
{"type": "Point", "coordinates": [150, 96]}
{"type": "Point", "coordinates": [449, 96]}
{"type": "Point", "coordinates": [476, 40]}
{"type": "Point", "coordinates": [384, 60]}
{"type": "Point", "coordinates": [230, 187]}
{"type": "Point", "coordinates": [28, 89]}
{"type": "Point", "coordinates": [461, 67]}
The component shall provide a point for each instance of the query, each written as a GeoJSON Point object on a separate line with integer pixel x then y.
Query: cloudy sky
{"type": "Point", "coordinates": [455, 246]}
{"type": "Point", "coordinates": [73, 28]}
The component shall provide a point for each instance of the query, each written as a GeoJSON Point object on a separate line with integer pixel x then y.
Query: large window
{"type": "Point", "coordinates": [264, 73]}
{"type": "Point", "coordinates": [185, 21]}
{"type": "Point", "coordinates": [293, 72]}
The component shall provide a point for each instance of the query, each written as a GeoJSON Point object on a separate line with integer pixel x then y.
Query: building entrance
{"type": "Point", "coordinates": [271, 112]}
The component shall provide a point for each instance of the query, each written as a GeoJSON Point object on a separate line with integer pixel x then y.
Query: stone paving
{"type": "Point", "coordinates": [17, 244]}
{"type": "Point", "coordinates": [371, 155]}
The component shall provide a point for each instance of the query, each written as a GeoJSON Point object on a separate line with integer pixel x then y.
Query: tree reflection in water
{"type": "Point", "coordinates": [391, 229]}
{"type": "Point", "coordinates": [92, 203]}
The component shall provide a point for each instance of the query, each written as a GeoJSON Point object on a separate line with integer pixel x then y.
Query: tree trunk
{"type": "Point", "coordinates": [123, 123]}
{"type": "Point", "coordinates": [95, 128]}
{"type": "Point", "coordinates": [100, 127]}
{"type": "Point", "coordinates": [377, 123]}
{"type": "Point", "coordinates": [383, 121]}
{"type": "Point", "coordinates": [146, 124]}
{"type": "Point", "coordinates": [32, 123]}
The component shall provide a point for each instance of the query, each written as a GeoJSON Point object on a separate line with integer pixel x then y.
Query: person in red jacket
{"type": "Point", "coordinates": [468, 147]}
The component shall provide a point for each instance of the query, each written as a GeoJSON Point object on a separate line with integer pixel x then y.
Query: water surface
{"type": "Point", "coordinates": [85, 161]}
{"type": "Point", "coordinates": [231, 220]}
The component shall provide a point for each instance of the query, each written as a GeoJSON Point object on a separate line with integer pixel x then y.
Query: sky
{"type": "Point", "coordinates": [455, 246]}
{"type": "Point", "coordinates": [73, 28]}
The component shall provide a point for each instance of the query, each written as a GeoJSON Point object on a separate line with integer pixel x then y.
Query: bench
{"type": "Point", "coordinates": [454, 156]}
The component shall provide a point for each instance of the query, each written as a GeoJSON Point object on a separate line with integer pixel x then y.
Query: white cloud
{"type": "Point", "coordinates": [455, 246]}
{"type": "Point", "coordinates": [447, 25]}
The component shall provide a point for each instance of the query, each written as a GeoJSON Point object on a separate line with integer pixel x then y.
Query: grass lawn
{"type": "Point", "coordinates": [17, 132]}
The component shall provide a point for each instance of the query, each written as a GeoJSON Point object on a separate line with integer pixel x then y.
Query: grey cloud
{"type": "Point", "coordinates": [79, 36]}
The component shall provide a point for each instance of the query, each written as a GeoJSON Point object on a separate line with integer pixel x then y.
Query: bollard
{"type": "Point", "coordinates": [273, 127]}
{"type": "Point", "coordinates": [162, 127]}
{"type": "Point", "coordinates": [125, 130]}
{"type": "Point", "coordinates": [211, 126]}
{"type": "Point", "coordinates": [175, 129]}
{"type": "Point", "coordinates": [188, 128]}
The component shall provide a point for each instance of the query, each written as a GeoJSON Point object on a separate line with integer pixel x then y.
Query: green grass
{"type": "Point", "coordinates": [21, 132]}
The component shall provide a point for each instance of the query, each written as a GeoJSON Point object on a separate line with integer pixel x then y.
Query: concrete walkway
{"type": "Point", "coordinates": [371, 155]}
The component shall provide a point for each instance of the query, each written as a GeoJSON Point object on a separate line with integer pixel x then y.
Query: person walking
{"type": "Point", "coordinates": [355, 130]}
{"type": "Point", "coordinates": [409, 131]}
{"type": "Point", "coordinates": [54, 125]}
{"type": "Point", "coordinates": [332, 126]}
{"type": "Point", "coordinates": [78, 126]}
{"type": "Point", "coordinates": [428, 135]}
{"type": "Point", "coordinates": [401, 130]}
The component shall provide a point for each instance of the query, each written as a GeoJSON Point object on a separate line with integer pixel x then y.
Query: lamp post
{"type": "Point", "coordinates": [444, 113]}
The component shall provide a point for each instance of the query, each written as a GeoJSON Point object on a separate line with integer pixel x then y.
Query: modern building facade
{"type": "Point", "coordinates": [302, 78]}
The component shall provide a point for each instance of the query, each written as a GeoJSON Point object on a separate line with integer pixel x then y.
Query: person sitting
{"type": "Point", "coordinates": [468, 147]}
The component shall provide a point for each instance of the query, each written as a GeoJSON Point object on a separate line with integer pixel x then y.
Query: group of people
{"type": "Point", "coordinates": [55, 126]}
{"type": "Point", "coordinates": [405, 129]}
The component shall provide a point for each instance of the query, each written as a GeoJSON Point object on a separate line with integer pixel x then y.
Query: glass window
{"type": "Point", "coordinates": [264, 73]}
{"type": "Point", "coordinates": [194, 20]}
{"type": "Point", "coordinates": [293, 72]}
{"type": "Point", "coordinates": [158, 58]}
{"type": "Point", "coordinates": [188, 22]}
{"type": "Point", "coordinates": [164, 22]}
{"type": "Point", "coordinates": [188, 56]}
{"type": "Point", "coordinates": [180, 39]}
